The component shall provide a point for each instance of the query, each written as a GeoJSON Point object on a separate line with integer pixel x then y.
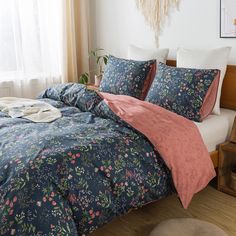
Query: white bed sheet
{"type": "Point", "coordinates": [215, 129]}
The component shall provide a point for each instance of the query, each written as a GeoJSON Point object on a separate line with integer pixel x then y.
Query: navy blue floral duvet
{"type": "Point", "coordinates": [73, 175]}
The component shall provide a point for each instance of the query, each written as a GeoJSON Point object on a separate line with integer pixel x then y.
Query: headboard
{"type": "Point", "coordinates": [228, 95]}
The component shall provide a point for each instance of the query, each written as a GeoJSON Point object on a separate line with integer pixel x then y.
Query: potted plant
{"type": "Point", "coordinates": [101, 60]}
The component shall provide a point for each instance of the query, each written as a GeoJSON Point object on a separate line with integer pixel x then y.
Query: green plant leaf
{"type": "Point", "coordinates": [92, 53]}
{"type": "Point", "coordinates": [99, 58]}
{"type": "Point", "coordinates": [105, 59]}
{"type": "Point", "coordinates": [84, 78]}
{"type": "Point", "coordinates": [99, 49]}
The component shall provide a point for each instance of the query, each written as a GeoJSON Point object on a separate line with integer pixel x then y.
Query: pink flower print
{"type": "Point", "coordinates": [52, 194]}
{"type": "Point", "coordinates": [101, 168]}
{"type": "Point", "coordinates": [46, 150]}
{"type": "Point", "coordinates": [73, 156]}
{"type": "Point", "coordinates": [72, 198]}
{"type": "Point", "coordinates": [78, 155]}
{"type": "Point", "coordinates": [11, 204]}
{"type": "Point", "coordinates": [69, 154]}
{"type": "Point", "coordinates": [15, 199]}
{"type": "Point", "coordinates": [73, 162]}
{"type": "Point", "coordinates": [93, 216]}
{"type": "Point", "coordinates": [129, 173]}
{"type": "Point", "coordinates": [97, 213]}
{"type": "Point", "coordinates": [54, 203]}
{"type": "Point", "coordinates": [50, 199]}
{"type": "Point", "coordinates": [91, 212]}
{"type": "Point", "coordinates": [44, 199]}
{"type": "Point", "coordinates": [7, 202]}
{"type": "Point", "coordinates": [90, 222]}
{"type": "Point", "coordinates": [11, 212]}
{"type": "Point", "coordinates": [108, 175]}
{"type": "Point", "coordinates": [110, 167]}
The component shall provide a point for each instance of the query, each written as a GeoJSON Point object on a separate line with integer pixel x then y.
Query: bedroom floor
{"type": "Point", "coordinates": [209, 205]}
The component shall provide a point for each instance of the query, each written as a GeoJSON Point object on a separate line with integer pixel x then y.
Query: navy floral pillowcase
{"type": "Point", "coordinates": [128, 77]}
{"type": "Point", "coordinates": [188, 92]}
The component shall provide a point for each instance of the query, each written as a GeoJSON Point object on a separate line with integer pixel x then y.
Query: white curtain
{"type": "Point", "coordinates": [31, 46]}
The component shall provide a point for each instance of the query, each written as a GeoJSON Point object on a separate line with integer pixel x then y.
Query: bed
{"type": "Point", "coordinates": [73, 175]}
{"type": "Point", "coordinates": [228, 104]}
{"type": "Point", "coordinates": [83, 170]}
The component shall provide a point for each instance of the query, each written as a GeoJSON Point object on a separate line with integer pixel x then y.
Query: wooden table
{"type": "Point", "coordinates": [227, 161]}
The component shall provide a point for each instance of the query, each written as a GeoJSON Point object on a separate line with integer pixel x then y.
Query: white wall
{"type": "Point", "coordinates": [118, 23]}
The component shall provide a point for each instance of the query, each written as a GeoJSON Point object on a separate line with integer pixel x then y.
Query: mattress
{"type": "Point", "coordinates": [215, 129]}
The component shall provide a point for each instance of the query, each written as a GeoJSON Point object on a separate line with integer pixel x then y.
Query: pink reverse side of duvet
{"type": "Point", "coordinates": [176, 138]}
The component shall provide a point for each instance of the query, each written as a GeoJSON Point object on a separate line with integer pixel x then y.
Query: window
{"type": "Point", "coordinates": [30, 38]}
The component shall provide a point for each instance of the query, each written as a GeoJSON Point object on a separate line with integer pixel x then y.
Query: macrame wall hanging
{"type": "Point", "coordinates": [156, 12]}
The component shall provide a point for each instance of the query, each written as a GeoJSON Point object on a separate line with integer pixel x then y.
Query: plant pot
{"type": "Point", "coordinates": [98, 79]}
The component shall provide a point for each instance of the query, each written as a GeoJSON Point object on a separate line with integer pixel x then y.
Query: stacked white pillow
{"type": "Point", "coordinates": [206, 59]}
{"type": "Point", "coordinates": [141, 54]}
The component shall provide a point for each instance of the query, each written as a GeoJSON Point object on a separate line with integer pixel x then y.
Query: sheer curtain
{"type": "Point", "coordinates": [39, 44]}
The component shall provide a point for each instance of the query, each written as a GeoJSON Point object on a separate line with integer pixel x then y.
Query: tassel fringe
{"type": "Point", "coordinates": [156, 12]}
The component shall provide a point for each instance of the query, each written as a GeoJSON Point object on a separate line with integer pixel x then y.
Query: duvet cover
{"type": "Point", "coordinates": [73, 175]}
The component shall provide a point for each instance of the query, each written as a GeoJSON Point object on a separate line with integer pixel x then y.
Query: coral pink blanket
{"type": "Point", "coordinates": [176, 139]}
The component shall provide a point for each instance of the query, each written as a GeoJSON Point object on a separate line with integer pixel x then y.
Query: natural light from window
{"type": "Point", "coordinates": [30, 38]}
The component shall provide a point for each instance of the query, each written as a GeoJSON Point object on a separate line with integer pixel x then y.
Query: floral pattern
{"type": "Point", "coordinates": [73, 175]}
{"type": "Point", "coordinates": [127, 77]}
{"type": "Point", "coordinates": [181, 90]}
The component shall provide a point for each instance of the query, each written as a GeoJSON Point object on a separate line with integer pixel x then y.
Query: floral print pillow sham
{"type": "Point", "coordinates": [128, 77]}
{"type": "Point", "coordinates": [188, 92]}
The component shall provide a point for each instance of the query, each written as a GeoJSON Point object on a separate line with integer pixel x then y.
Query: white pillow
{"type": "Point", "coordinates": [140, 54]}
{"type": "Point", "coordinates": [206, 59]}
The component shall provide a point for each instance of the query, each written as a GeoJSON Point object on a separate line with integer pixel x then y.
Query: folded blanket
{"type": "Point", "coordinates": [33, 110]}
